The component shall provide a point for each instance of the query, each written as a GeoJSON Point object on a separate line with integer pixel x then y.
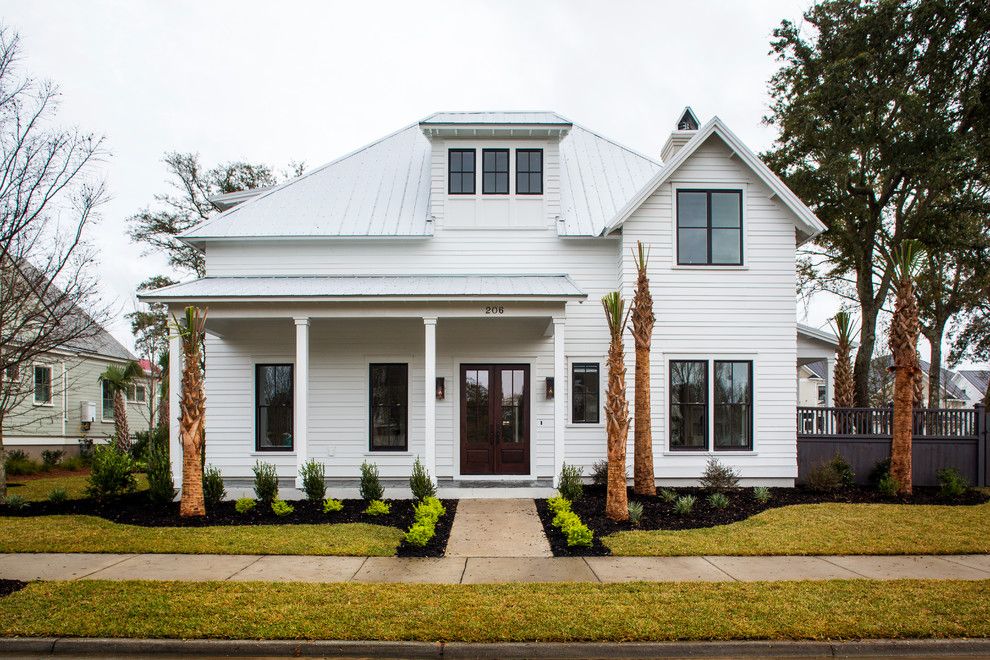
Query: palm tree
{"type": "Point", "coordinates": [903, 343]}
{"type": "Point", "coordinates": [192, 406]}
{"type": "Point", "coordinates": [616, 409]}
{"type": "Point", "coordinates": [118, 380]}
{"type": "Point", "coordinates": [644, 482]}
{"type": "Point", "coordinates": [845, 330]}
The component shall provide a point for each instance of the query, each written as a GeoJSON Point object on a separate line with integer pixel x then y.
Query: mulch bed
{"type": "Point", "coordinates": [8, 587]}
{"type": "Point", "coordinates": [135, 509]}
{"type": "Point", "coordinates": [659, 514]}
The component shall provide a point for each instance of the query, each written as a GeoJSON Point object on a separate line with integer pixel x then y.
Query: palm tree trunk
{"type": "Point", "coordinates": [644, 480]}
{"type": "Point", "coordinates": [192, 404]}
{"type": "Point", "coordinates": [617, 429]}
{"type": "Point", "coordinates": [900, 445]}
{"type": "Point", "coordinates": [120, 421]}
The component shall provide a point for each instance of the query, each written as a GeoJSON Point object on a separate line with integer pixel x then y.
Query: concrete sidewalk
{"type": "Point", "coordinates": [482, 570]}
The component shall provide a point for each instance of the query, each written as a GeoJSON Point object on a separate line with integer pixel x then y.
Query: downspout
{"type": "Point", "coordinates": [65, 401]}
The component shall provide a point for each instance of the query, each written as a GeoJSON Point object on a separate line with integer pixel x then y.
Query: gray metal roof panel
{"type": "Point", "coordinates": [496, 118]}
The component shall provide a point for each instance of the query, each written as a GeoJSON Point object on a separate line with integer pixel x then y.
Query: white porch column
{"type": "Point", "coordinates": [829, 389]}
{"type": "Point", "coordinates": [559, 398]}
{"type": "Point", "coordinates": [300, 399]}
{"type": "Point", "coordinates": [174, 390]}
{"type": "Point", "coordinates": [429, 392]}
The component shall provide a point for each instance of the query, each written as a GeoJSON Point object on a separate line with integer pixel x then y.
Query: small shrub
{"type": "Point", "coordinates": [951, 484]}
{"type": "Point", "coordinates": [847, 478]}
{"type": "Point", "coordinates": [18, 463]}
{"type": "Point", "coordinates": [599, 473]}
{"type": "Point", "coordinates": [888, 485]}
{"type": "Point", "coordinates": [635, 513]}
{"type": "Point", "coordinates": [58, 495]}
{"type": "Point", "coordinates": [140, 445]}
{"type": "Point", "coordinates": [684, 504]}
{"type": "Point", "coordinates": [879, 470]}
{"type": "Point", "coordinates": [314, 481]}
{"type": "Point", "coordinates": [50, 458]}
{"type": "Point", "coordinates": [378, 508]}
{"type": "Point", "coordinates": [15, 502]}
{"type": "Point", "coordinates": [214, 492]}
{"type": "Point", "coordinates": [244, 504]}
{"type": "Point", "coordinates": [824, 478]}
{"type": "Point", "coordinates": [718, 500]}
{"type": "Point", "coordinates": [420, 483]}
{"type": "Point", "coordinates": [265, 482]}
{"type": "Point", "coordinates": [575, 531]}
{"type": "Point", "coordinates": [426, 514]}
{"type": "Point", "coordinates": [667, 495]}
{"type": "Point", "coordinates": [281, 507]}
{"type": "Point", "coordinates": [429, 509]}
{"type": "Point", "coordinates": [420, 533]}
{"type": "Point", "coordinates": [761, 494]}
{"type": "Point", "coordinates": [371, 486]}
{"type": "Point", "coordinates": [718, 477]}
{"type": "Point", "coordinates": [86, 450]}
{"type": "Point", "coordinates": [161, 487]}
{"type": "Point", "coordinates": [111, 474]}
{"type": "Point", "coordinates": [570, 486]}
{"type": "Point", "coordinates": [332, 506]}
{"type": "Point", "coordinates": [73, 463]}
{"type": "Point", "coordinates": [558, 503]}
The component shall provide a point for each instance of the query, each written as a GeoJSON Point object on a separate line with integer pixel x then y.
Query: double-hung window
{"type": "Point", "coordinates": [709, 227]}
{"type": "Point", "coordinates": [529, 171]}
{"type": "Point", "coordinates": [460, 171]}
{"type": "Point", "coordinates": [733, 402]}
{"type": "Point", "coordinates": [42, 385]}
{"type": "Point", "coordinates": [585, 393]}
{"type": "Point", "coordinates": [689, 404]}
{"type": "Point", "coordinates": [106, 401]}
{"type": "Point", "coordinates": [273, 413]}
{"type": "Point", "coordinates": [495, 171]}
{"type": "Point", "coordinates": [730, 393]}
{"type": "Point", "coordinates": [389, 409]}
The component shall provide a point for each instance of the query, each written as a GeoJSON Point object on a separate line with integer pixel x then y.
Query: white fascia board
{"type": "Point", "coordinates": [807, 220]}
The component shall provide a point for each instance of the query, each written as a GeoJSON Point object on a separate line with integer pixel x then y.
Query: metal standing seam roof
{"type": "Point", "coordinates": [372, 286]}
{"type": "Point", "coordinates": [979, 378]}
{"type": "Point", "coordinates": [496, 118]}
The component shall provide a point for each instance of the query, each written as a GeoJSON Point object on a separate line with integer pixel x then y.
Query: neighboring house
{"type": "Point", "coordinates": [69, 403]}
{"type": "Point", "coordinates": [972, 384]}
{"type": "Point", "coordinates": [812, 385]}
{"type": "Point", "coordinates": [882, 385]}
{"type": "Point", "coordinates": [436, 294]}
{"type": "Point", "coordinates": [816, 366]}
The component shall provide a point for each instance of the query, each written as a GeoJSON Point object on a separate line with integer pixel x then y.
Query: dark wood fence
{"type": "Point", "coordinates": [942, 438]}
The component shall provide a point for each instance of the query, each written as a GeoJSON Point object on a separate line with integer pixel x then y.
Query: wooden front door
{"type": "Point", "coordinates": [494, 419]}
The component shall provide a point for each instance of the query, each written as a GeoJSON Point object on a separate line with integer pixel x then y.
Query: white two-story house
{"type": "Point", "coordinates": [437, 294]}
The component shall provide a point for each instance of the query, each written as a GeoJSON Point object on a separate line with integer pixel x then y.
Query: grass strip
{"type": "Point", "coordinates": [838, 609]}
{"type": "Point", "coordinates": [93, 534]}
{"type": "Point", "coordinates": [824, 529]}
{"type": "Point", "coordinates": [38, 489]}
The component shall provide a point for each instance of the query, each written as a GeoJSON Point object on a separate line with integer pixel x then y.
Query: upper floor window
{"type": "Point", "coordinates": [460, 171]}
{"type": "Point", "coordinates": [42, 385]}
{"type": "Point", "coordinates": [709, 227]}
{"type": "Point", "coordinates": [495, 171]}
{"type": "Point", "coordinates": [529, 171]}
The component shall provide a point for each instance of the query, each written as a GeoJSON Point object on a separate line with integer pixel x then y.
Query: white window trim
{"type": "Point", "coordinates": [136, 399]}
{"type": "Point", "coordinates": [103, 411]}
{"type": "Point", "coordinates": [602, 387]}
{"type": "Point", "coordinates": [728, 186]}
{"type": "Point", "coordinates": [51, 385]}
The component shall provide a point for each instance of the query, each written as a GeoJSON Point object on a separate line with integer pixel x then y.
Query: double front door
{"type": "Point", "coordinates": [494, 419]}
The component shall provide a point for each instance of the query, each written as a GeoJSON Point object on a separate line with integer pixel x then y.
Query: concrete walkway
{"type": "Point", "coordinates": [481, 570]}
{"type": "Point", "coordinates": [497, 528]}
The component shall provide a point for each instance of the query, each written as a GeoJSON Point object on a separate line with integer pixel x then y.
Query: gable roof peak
{"type": "Point", "coordinates": [688, 121]}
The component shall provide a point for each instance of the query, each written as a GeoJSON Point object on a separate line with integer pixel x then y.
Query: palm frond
{"type": "Point", "coordinates": [615, 312]}
{"type": "Point", "coordinates": [906, 258]}
{"type": "Point", "coordinates": [845, 326]}
{"type": "Point", "coordinates": [641, 255]}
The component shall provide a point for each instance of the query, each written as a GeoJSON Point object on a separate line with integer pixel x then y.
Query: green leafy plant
{"type": "Point", "coordinates": [214, 491]}
{"type": "Point", "coordinates": [332, 506]}
{"type": "Point", "coordinates": [15, 502]}
{"type": "Point", "coordinates": [314, 481]}
{"type": "Point", "coordinates": [635, 513]}
{"type": "Point", "coordinates": [378, 508]}
{"type": "Point", "coordinates": [111, 474]}
{"type": "Point", "coordinates": [879, 470]}
{"type": "Point", "coordinates": [847, 478]}
{"type": "Point", "coordinates": [570, 486]}
{"type": "Point", "coordinates": [371, 485]}
{"type": "Point", "coordinates": [558, 503]}
{"type": "Point", "coordinates": [281, 507]}
{"type": "Point", "coordinates": [265, 482]}
{"type": "Point", "coordinates": [419, 534]}
{"type": "Point", "coordinates": [575, 531]}
{"type": "Point", "coordinates": [425, 515]}
{"type": "Point", "coordinates": [50, 458]}
{"type": "Point", "coordinates": [823, 478]}
{"type": "Point", "coordinates": [718, 477]}
{"type": "Point", "coordinates": [951, 483]}
{"type": "Point", "coordinates": [420, 483]}
{"type": "Point", "coordinates": [761, 494]}
{"type": "Point", "coordinates": [684, 504]}
{"type": "Point", "coordinates": [599, 473]}
{"type": "Point", "coordinates": [58, 495]}
{"type": "Point", "coordinates": [888, 485]}
{"type": "Point", "coordinates": [161, 486]}
{"type": "Point", "coordinates": [244, 504]}
{"type": "Point", "coordinates": [667, 495]}
{"type": "Point", "coordinates": [73, 463]}
{"type": "Point", "coordinates": [18, 463]}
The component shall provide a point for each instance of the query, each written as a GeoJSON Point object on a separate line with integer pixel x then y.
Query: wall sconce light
{"type": "Point", "coordinates": [550, 387]}
{"type": "Point", "coordinates": [441, 390]}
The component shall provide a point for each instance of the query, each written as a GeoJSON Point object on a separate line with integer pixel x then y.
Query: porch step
{"type": "Point", "coordinates": [497, 528]}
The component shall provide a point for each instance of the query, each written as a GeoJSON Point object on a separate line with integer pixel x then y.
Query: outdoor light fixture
{"type": "Point", "coordinates": [440, 388]}
{"type": "Point", "coordinates": [550, 387]}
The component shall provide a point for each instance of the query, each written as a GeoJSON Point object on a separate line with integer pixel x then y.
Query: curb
{"type": "Point", "coordinates": [562, 650]}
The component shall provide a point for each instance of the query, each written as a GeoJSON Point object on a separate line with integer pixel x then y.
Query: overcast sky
{"type": "Point", "coordinates": [280, 81]}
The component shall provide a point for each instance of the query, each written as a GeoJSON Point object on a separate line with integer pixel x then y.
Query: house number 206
{"type": "Point", "coordinates": [494, 309]}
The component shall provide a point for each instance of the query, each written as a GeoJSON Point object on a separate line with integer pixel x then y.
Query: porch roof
{"type": "Point", "coordinates": [371, 287]}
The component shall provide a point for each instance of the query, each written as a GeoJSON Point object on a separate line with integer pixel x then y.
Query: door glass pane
{"type": "Point", "coordinates": [477, 402]}
{"type": "Point", "coordinates": [512, 401]}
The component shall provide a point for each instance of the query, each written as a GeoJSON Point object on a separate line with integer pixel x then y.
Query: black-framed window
{"type": "Point", "coordinates": [732, 401]}
{"type": "Point", "coordinates": [529, 171]}
{"type": "Point", "coordinates": [274, 407]}
{"type": "Point", "coordinates": [42, 384]}
{"type": "Point", "coordinates": [709, 227]}
{"type": "Point", "coordinates": [495, 171]}
{"type": "Point", "coordinates": [389, 407]}
{"type": "Point", "coordinates": [689, 404]}
{"type": "Point", "coordinates": [585, 392]}
{"type": "Point", "coordinates": [460, 171]}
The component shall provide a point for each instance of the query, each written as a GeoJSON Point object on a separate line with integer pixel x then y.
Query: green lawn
{"type": "Point", "coordinates": [92, 534]}
{"type": "Point", "coordinates": [840, 609]}
{"type": "Point", "coordinates": [836, 529]}
{"type": "Point", "coordinates": [37, 489]}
